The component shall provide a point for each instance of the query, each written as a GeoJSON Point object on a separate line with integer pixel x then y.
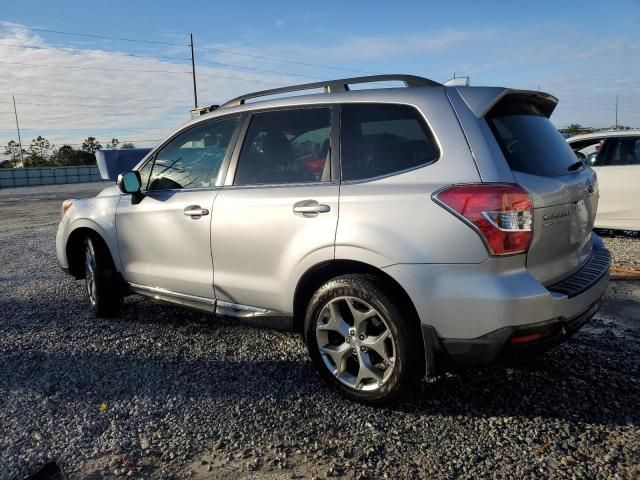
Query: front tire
{"type": "Point", "coordinates": [101, 282]}
{"type": "Point", "coordinates": [361, 342]}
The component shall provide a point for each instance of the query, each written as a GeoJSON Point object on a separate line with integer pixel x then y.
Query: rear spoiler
{"type": "Point", "coordinates": [482, 99]}
{"type": "Point", "coordinates": [111, 163]}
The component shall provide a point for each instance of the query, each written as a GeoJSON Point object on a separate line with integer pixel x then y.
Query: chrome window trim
{"type": "Point", "coordinates": [149, 193]}
{"type": "Point", "coordinates": [280, 185]}
{"type": "Point", "coordinates": [387, 175]}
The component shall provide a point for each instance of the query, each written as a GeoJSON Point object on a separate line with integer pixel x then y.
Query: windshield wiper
{"type": "Point", "coordinates": [575, 166]}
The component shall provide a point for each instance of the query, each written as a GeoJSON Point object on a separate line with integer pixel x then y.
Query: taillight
{"type": "Point", "coordinates": [501, 213]}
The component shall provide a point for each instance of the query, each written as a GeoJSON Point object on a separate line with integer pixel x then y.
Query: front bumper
{"type": "Point", "coordinates": [61, 241]}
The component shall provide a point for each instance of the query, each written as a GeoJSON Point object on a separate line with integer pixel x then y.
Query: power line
{"type": "Point", "coordinates": [229, 52]}
{"type": "Point", "coordinates": [76, 51]}
{"type": "Point", "coordinates": [91, 98]}
{"type": "Point", "coordinates": [106, 37]}
{"type": "Point", "coordinates": [95, 106]}
{"type": "Point", "coordinates": [76, 67]}
{"type": "Point", "coordinates": [282, 60]}
{"type": "Point", "coordinates": [93, 51]}
{"type": "Point", "coordinates": [109, 114]}
{"type": "Point", "coordinates": [80, 19]}
{"type": "Point", "coordinates": [236, 78]}
{"type": "Point", "coordinates": [255, 69]}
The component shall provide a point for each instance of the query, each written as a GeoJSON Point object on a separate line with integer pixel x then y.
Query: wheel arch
{"type": "Point", "coordinates": [74, 250]}
{"type": "Point", "coordinates": [320, 273]}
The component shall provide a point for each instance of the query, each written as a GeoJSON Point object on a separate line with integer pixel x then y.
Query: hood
{"type": "Point", "coordinates": [111, 163]}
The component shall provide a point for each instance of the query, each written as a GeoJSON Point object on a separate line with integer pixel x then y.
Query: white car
{"type": "Point", "coordinates": [615, 156]}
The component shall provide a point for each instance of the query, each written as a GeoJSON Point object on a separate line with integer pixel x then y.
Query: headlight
{"type": "Point", "coordinates": [66, 205]}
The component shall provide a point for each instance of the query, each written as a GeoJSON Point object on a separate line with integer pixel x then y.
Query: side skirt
{"type": "Point", "coordinates": [246, 314]}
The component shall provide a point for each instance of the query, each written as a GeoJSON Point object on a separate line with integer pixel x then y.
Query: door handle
{"type": "Point", "coordinates": [195, 211]}
{"type": "Point", "coordinates": [310, 208]}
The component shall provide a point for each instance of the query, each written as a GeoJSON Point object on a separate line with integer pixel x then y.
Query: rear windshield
{"type": "Point", "coordinates": [529, 141]}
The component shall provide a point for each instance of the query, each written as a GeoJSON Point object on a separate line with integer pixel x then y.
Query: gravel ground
{"type": "Point", "coordinates": [160, 392]}
{"type": "Point", "coordinates": [625, 252]}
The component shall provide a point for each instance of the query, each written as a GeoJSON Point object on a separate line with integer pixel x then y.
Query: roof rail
{"type": "Point", "coordinates": [339, 85]}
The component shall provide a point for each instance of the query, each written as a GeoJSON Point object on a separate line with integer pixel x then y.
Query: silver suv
{"type": "Point", "coordinates": [400, 230]}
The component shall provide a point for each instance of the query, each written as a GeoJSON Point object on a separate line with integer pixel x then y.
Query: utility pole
{"type": "Point", "coordinates": [193, 73]}
{"type": "Point", "coordinates": [15, 111]}
{"type": "Point", "coordinates": [616, 112]}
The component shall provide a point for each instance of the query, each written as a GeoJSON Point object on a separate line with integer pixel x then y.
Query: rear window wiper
{"type": "Point", "coordinates": [575, 166]}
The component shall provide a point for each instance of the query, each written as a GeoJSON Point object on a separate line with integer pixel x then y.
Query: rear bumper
{"type": "Point", "coordinates": [470, 312]}
{"type": "Point", "coordinates": [488, 348]}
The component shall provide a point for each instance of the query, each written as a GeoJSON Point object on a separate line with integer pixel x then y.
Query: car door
{"type": "Point", "coordinates": [618, 169]}
{"type": "Point", "coordinates": [277, 213]}
{"type": "Point", "coordinates": [164, 235]}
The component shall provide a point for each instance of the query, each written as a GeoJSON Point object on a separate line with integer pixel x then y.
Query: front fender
{"type": "Point", "coordinates": [96, 214]}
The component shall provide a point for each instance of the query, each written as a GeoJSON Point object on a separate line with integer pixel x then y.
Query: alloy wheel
{"type": "Point", "coordinates": [356, 343]}
{"type": "Point", "coordinates": [90, 273]}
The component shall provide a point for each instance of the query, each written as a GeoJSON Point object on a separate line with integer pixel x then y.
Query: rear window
{"type": "Point", "coordinates": [529, 141]}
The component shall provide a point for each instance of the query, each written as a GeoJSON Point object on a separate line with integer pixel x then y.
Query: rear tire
{"type": "Point", "coordinates": [102, 284]}
{"type": "Point", "coordinates": [361, 342]}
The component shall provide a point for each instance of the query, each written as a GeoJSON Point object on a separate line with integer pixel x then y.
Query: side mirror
{"type": "Point", "coordinates": [129, 182]}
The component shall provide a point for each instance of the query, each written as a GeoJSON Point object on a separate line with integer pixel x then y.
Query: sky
{"type": "Point", "coordinates": [70, 85]}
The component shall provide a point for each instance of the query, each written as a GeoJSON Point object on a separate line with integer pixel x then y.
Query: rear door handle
{"type": "Point", "coordinates": [310, 208]}
{"type": "Point", "coordinates": [195, 211]}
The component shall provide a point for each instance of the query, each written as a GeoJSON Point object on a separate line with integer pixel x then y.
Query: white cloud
{"type": "Point", "coordinates": [135, 98]}
{"type": "Point", "coordinates": [349, 50]}
{"type": "Point", "coordinates": [90, 92]}
{"type": "Point", "coordinates": [586, 74]}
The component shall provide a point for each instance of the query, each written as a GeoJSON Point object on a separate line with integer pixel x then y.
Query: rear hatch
{"type": "Point", "coordinates": [564, 191]}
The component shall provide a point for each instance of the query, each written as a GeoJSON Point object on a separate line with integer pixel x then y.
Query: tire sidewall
{"type": "Point", "coordinates": [108, 297]}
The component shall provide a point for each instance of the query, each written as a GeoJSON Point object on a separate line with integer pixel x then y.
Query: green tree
{"type": "Point", "coordinates": [127, 145]}
{"type": "Point", "coordinates": [91, 145]}
{"type": "Point", "coordinates": [63, 156]}
{"type": "Point", "coordinates": [39, 152]}
{"type": "Point", "coordinates": [67, 156]}
{"type": "Point", "coordinates": [114, 144]}
{"type": "Point", "coordinates": [15, 154]}
{"type": "Point", "coordinates": [573, 129]}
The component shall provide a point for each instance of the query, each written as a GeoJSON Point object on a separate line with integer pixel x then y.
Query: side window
{"type": "Point", "coordinates": [145, 173]}
{"type": "Point", "coordinates": [590, 151]}
{"type": "Point", "coordinates": [194, 157]}
{"type": "Point", "coordinates": [380, 139]}
{"type": "Point", "coordinates": [622, 151]}
{"type": "Point", "coordinates": [290, 146]}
